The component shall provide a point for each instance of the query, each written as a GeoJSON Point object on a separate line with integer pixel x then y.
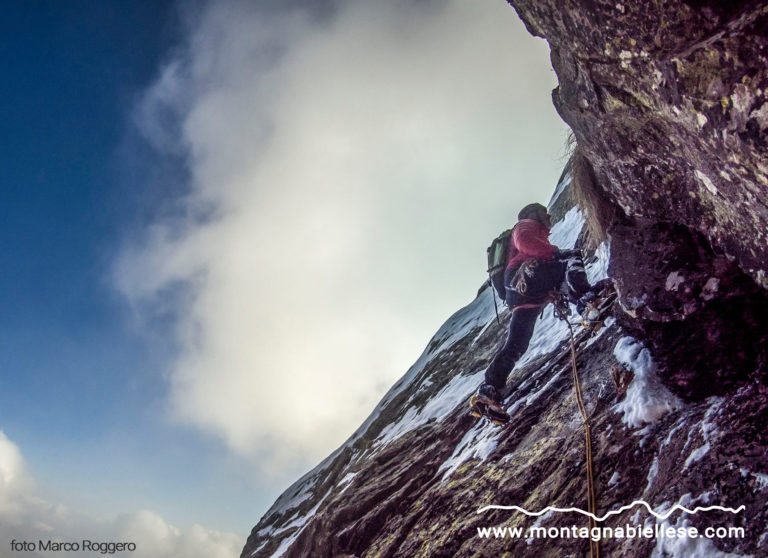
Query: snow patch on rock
{"type": "Point", "coordinates": [761, 479]}
{"type": "Point", "coordinates": [563, 184]}
{"type": "Point", "coordinates": [599, 268]}
{"type": "Point", "coordinates": [652, 472]}
{"type": "Point", "coordinates": [647, 399]}
{"type": "Point", "coordinates": [475, 315]}
{"type": "Point", "coordinates": [477, 443]}
{"type": "Point", "coordinates": [438, 407]}
{"type": "Point", "coordinates": [298, 523]}
{"type": "Point", "coordinates": [548, 333]}
{"type": "Point", "coordinates": [685, 547]}
{"type": "Point", "coordinates": [538, 523]}
{"type": "Point", "coordinates": [696, 455]}
{"type": "Point", "coordinates": [566, 231]}
{"type": "Point", "coordinates": [674, 280]}
{"type": "Point", "coordinates": [709, 431]}
{"type": "Point", "coordinates": [297, 494]}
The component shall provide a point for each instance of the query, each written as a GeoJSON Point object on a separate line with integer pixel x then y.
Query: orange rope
{"type": "Point", "coordinates": [594, 546]}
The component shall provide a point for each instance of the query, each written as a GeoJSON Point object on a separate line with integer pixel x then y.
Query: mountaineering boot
{"type": "Point", "coordinates": [488, 394]}
{"type": "Point", "coordinates": [487, 403]}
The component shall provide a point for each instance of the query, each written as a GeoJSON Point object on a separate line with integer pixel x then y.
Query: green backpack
{"type": "Point", "coordinates": [498, 253]}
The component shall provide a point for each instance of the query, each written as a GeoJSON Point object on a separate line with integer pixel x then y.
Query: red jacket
{"type": "Point", "coordinates": [529, 239]}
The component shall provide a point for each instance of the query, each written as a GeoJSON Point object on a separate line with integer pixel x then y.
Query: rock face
{"type": "Point", "coordinates": [667, 102]}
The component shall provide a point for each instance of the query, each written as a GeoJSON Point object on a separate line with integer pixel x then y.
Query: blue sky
{"type": "Point", "coordinates": [158, 159]}
{"type": "Point", "coordinates": [82, 388]}
{"type": "Point", "coordinates": [71, 72]}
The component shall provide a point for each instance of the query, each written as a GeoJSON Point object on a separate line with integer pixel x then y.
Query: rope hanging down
{"type": "Point", "coordinates": [561, 309]}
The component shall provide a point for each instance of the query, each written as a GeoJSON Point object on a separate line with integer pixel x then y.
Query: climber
{"type": "Point", "coordinates": [535, 268]}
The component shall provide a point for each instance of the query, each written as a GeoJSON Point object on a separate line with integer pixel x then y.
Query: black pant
{"type": "Point", "coordinates": [520, 331]}
{"type": "Point", "coordinates": [550, 276]}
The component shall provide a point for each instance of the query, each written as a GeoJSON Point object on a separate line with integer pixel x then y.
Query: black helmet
{"type": "Point", "coordinates": [534, 211]}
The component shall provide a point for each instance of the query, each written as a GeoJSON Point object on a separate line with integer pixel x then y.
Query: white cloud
{"type": "Point", "coordinates": [26, 515]}
{"type": "Point", "coordinates": [13, 479]}
{"type": "Point", "coordinates": [345, 177]}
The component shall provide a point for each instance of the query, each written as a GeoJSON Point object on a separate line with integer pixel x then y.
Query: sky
{"type": "Point", "coordinates": [226, 229]}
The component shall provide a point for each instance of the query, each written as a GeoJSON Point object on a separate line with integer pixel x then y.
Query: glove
{"type": "Point", "coordinates": [561, 254]}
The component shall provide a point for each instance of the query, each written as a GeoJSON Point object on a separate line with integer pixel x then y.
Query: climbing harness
{"type": "Point", "coordinates": [562, 311]}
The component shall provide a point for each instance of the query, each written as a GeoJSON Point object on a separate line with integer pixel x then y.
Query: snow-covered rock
{"type": "Point", "coordinates": [412, 479]}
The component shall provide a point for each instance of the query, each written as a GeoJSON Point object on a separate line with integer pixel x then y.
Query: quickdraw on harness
{"type": "Point", "coordinates": [562, 311]}
{"type": "Point", "coordinates": [526, 270]}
